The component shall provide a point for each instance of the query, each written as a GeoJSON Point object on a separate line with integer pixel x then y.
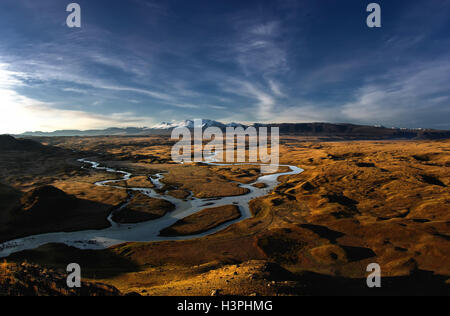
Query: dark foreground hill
{"type": "Point", "coordinates": [47, 209]}
{"type": "Point", "coordinates": [44, 200]}
{"type": "Point", "coordinates": [33, 280]}
{"type": "Point", "coordinates": [15, 145]}
{"type": "Point", "coordinates": [8, 142]}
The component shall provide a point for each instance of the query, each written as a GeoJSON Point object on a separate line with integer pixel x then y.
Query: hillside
{"type": "Point", "coordinates": [8, 142]}
{"type": "Point", "coordinates": [33, 280]}
{"type": "Point", "coordinates": [47, 209]}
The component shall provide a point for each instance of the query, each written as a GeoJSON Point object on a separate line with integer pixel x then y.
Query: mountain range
{"type": "Point", "coordinates": [350, 131]}
{"type": "Point", "coordinates": [191, 124]}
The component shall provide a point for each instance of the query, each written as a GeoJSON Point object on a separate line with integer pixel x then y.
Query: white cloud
{"type": "Point", "coordinates": [266, 29]}
{"type": "Point", "coordinates": [74, 90]}
{"type": "Point", "coordinates": [276, 88]}
{"type": "Point", "coordinates": [406, 95]}
{"type": "Point", "coordinates": [264, 101]}
{"type": "Point", "coordinates": [20, 114]}
{"type": "Point", "coordinates": [9, 77]}
{"type": "Point", "coordinates": [258, 47]}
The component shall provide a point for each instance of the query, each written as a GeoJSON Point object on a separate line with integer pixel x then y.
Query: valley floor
{"type": "Point", "coordinates": [356, 203]}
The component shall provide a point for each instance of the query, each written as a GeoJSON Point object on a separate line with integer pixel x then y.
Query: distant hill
{"type": "Point", "coordinates": [113, 131]}
{"type": "Point", "coordinates": [348, 131]}
{"type": "Point", "coordinates": [356, 131]}
{"type": "Point", "coordinates": [160, 129]}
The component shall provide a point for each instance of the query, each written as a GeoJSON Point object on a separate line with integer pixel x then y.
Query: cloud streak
{"type": "Point", "coordinates": [277, 61]}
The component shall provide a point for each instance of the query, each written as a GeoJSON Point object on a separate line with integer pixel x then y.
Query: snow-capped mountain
{"type": "Point", "coordinates": [233, 124]}
{"type": "Point", "coordinates": [166, 125]}
{"type": "Point", "coordinates": [190, 124]}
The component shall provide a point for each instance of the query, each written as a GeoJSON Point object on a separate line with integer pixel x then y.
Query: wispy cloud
{"type": "Point", "coordinates": [20, 114]}
{"type": "Point", "coordinates": [258, 47]}
{"type": "Point", "coordinates": [403, 93]}
{"type": "Point", "coordinates": [274, 61]}
{"type": "Point", "coordinates": [263, 101]}
{"type": "Point", "coordinates": [74, 90]}
{"type": "Point", "coordinates": [276, 88]}
{"type": "Point", "coordinates": [9, 77]}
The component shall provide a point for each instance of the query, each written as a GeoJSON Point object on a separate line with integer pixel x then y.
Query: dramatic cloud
{"type": "Point", "coordinates": [142, 62]}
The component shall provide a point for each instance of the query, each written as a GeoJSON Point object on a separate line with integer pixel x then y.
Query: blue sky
{"type": "Point", "coordinates": [140, 62]}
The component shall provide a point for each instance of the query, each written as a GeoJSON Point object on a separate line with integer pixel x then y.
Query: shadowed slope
{"type": "Point", "coordinates": [47, 209]}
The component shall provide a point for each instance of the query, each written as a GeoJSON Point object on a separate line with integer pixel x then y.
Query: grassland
{"type": "Point", "coordinates": [202, 221]}
{"type": "Point", "coordinates": [356, 203]}
{"type": "Point", "coordinates": [142, 208]}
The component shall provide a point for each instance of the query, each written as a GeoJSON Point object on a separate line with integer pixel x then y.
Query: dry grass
{"type": "Point", "coordinates": [203, 221]}
{"type": "Point", "coordinates": [89, 191]}
{"type": "Point", "coordinates": [356, 203]}
{"type": "Point", "coordinates": [136, 182]}
{"type": "Point", "coordinates": [390, 197]}
{"type": "Point", "coordinates": [142, 208]}
{"type": "Point", "coordinates": [148, 149]}
{"type": "Point", "coordinates": [201, 180]}
{"type": "Point", "coordinates": [244, 173]}
{"type": "Point", "coordinates": [32, 280]}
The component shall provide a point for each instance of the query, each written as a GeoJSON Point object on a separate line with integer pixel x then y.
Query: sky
{"type": "Point", "coordinates": [140, 62]}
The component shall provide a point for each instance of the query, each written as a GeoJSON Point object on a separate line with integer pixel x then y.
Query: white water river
{"type": "Point", "coordinates": [147, 231]}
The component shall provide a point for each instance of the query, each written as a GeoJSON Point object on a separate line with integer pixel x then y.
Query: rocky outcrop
{"type": "Point", "coordinates": [33, 280]}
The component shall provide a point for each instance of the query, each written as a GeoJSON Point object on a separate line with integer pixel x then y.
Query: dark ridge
{"type": "Point", "coordinates": [342, 200]}
{"type": "Point", "coordinates": [8, 142]}
{"type": "Point", "coordinates": [324, 232]}
{"type": "Point", "coordinates": [276, 272]}
{"type": "Point", "coordinates": [446, 237]}
{"type": "Point", "coordinates": [420, 220]}
{"type": "Point", "coordinates": [358, 253]}
{"type": "Point", "coordinates": [421, 158]}
{"type": "Point", "coordinates": [46, 200]}
{"type": "Point", "coordinates": [432, 180]}
{"type": "Point", "coordinates": [420, 282]}
{"type": "Point", "coordinates": [365, 165]}
{"type": "Point", "coordinates": [26, 279]}
{"type": "Point", "coordinates": [356, 131]}
{"type": "Point", "coordinates": [95, 264]}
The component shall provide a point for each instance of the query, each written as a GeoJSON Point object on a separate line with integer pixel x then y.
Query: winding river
{"type": "Point", "coordinates": [148, 231]}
